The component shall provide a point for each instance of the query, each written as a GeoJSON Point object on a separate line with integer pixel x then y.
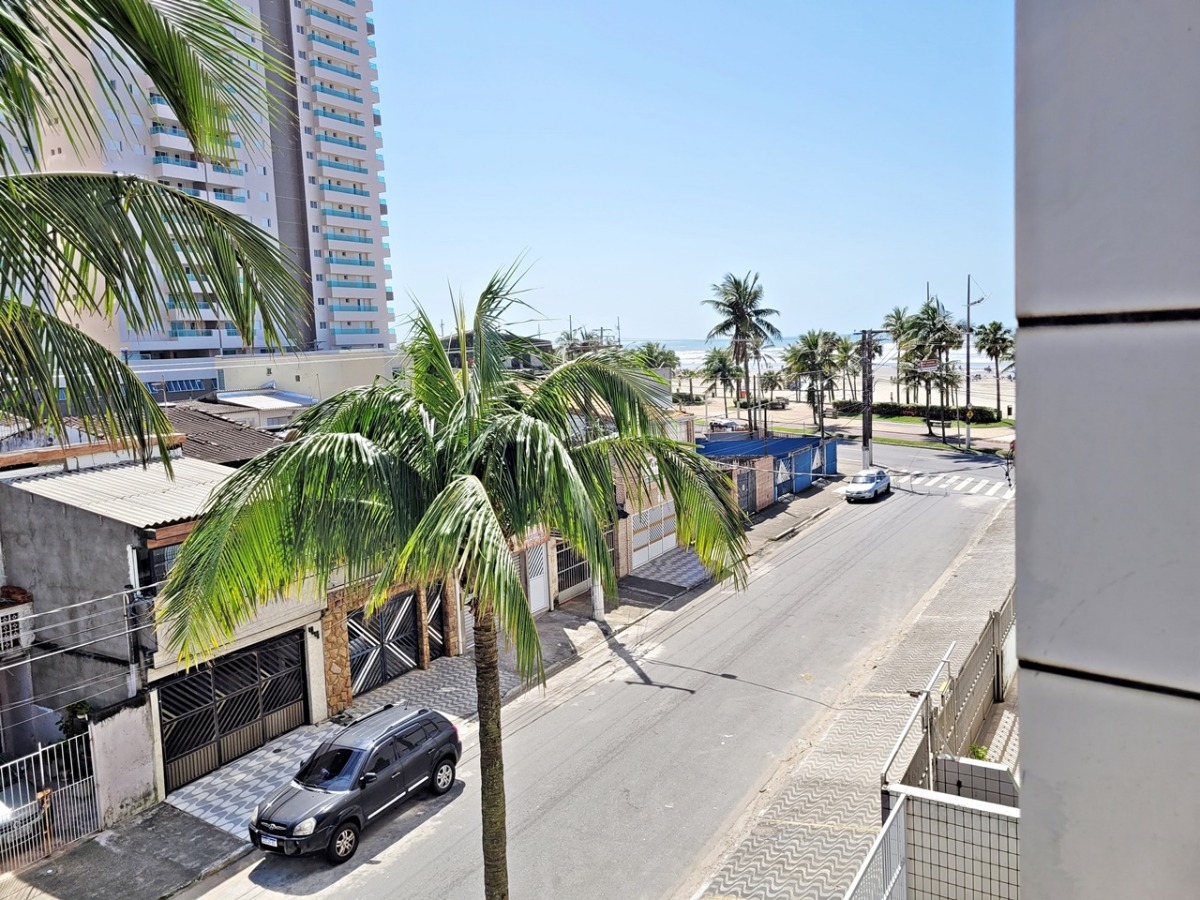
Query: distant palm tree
{"type": "Point", "coordinates": [847, 362]}
{"type": "Point", "coordinates": [656, 356]}
{"type": "Point", "coordinates": [936, 333]}
{"type": "Point", "coordinates": [744, 320]}
{"type": "Point", "coordinates": [995, 341]}
{"type": "Point", "coordinates": [898, 324]}
{"type": "Point", "coordinates": [690, 375]}
{"type": "Point", "coordinates": [721, 371]}
{"type": "Point", "coordinates": [771, 381]}
{"type": "Point", "coordinates": [813, 358]}
{"type": "Point", "coordinates": [438, 477]}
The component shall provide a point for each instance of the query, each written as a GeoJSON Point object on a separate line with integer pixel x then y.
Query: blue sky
{"type": "Point", "coordinates": [848, 152]}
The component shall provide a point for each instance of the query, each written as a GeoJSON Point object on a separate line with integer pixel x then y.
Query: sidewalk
{"type": "Point", "coordinates": [809, 837]}
{"type": "Point", "coordinates": [200, 828]}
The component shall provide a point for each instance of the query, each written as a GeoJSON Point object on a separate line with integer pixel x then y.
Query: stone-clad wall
{"type": "Point", "coordinates": [342, 602]}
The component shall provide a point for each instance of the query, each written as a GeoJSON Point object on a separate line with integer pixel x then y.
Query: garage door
{"type": "Point", "coordinates": [384, 645]}
{"type": "Point", "coordinates": [230, 706]}
{"type": "Point", "coordinates": [653, 532]}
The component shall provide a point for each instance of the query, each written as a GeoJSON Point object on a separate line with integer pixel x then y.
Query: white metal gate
{"type": "Point", "coordinates": [653, 532]}
{"type": "Point", "coordinates": [51, 801]}
{"type": "Point", "coordinates": [538, 578]}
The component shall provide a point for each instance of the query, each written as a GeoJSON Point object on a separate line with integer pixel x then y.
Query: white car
{"type": "Point", "coordinates": [867, 485]}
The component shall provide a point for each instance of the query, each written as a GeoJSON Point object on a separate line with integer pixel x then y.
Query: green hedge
{"type": "Point", "coordinates": [689, 399]}
{"type": "Point", "coordinates": [983, 415]}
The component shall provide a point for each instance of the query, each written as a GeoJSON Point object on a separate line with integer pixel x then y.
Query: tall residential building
{"type": "Point", "coordinates": [315, 180]}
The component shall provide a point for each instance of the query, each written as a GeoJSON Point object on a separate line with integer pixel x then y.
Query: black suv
{"type": "Point", "coordinates": [365, 769]}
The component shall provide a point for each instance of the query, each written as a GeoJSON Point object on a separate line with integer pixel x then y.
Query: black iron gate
{"type": "Point", "coordinates": [384, 646]}
{"type": "Point", "coordinates": [230, 706]}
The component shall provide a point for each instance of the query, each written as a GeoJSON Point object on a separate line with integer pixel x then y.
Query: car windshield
{"type": "Point", "coordinates": [330, 769]}
{"type": "Point", "coordinates": [862, 479]}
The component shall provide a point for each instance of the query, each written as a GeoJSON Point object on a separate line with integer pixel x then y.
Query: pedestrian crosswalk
{"type": "Point", "coordinates": [944, 482]}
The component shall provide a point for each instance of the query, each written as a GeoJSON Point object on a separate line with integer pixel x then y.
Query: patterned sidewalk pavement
{"type": "Point", "coordinates": [813, 835]}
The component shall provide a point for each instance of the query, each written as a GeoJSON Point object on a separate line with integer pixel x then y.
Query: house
{"type": "Point", "coordinates": [266, 408]}
{"type": "Point", "coordinates": [765, 470]}
{"type": "Point", "coordinates": [214, 438]}
{"type": "Point", "coordinates": [535, 348]}
{"type": "Point", "coordinates": [88, 550]}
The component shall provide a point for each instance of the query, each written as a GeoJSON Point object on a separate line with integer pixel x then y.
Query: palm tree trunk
{"type": "Point", "coordinates": [749, 404]}
{"type": "Point", "coordinates": [691, 392]}
{"type": "Point", "coordinates": [422, 629]}
{"type": "Point", "coordinates": [996, 362]}
{"type": "Point", "coordinates": [725, 398]}
{"type": "Point", "coordinates": [491, 759]}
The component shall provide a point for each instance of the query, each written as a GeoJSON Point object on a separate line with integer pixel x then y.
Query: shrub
{"type": "Point", "coordinates": [983, 415]}
{"type": "Point", "coordinates": [686, 398]}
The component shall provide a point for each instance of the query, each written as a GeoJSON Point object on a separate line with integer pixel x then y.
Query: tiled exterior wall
{"type": "Point", "coordinates": [976, 780]}
{"type": "Point", "coordinates": [764, 485]}
{"type": "Point", "coordinates": [960, 849]}
{"type": "Point", "coordinates": [1107, 215]}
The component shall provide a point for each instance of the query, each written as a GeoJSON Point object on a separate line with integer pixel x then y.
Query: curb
{"type": "Point", "coordinates": [791, 532]}
{"type": "Point", "coordinates": [211, 869]}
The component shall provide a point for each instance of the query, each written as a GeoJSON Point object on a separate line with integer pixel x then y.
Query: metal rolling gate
{"type": "Point", "coordinates": [747, 484]}
{"type": "Point", "coordinates": [383, 646]}
{"type": "Point", "coordinates": [230, 706]}
{"type": "Point", "coordinates": [51, 801]}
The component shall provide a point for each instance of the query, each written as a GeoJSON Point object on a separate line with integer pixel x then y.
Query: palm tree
{"type": "Point", "coordinates": [812, 358]}
{"type": "Point", "coordinates": [720, 370]}
{"type": "Point", "coordinates": [847, 363]}
{"type": "Point", "coordinates": [935, 333]}
{"type": "Point", "coordinates": [995, 341]}
{"type": "Point", "coordinates": [898, 324]}
{"type": "Point", "coordinates": [657, 356]}
{"type": "Point", "coordinates": [437, 478]}
{"type": "Point", "coordinates": [771, 381]}
{"type": "Point", "coordinates": [744, 320]}
{"type": "Point", "coordinates": [81, 244]}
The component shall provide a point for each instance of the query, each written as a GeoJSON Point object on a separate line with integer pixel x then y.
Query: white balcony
{"type": "Point", "coordinates": [340, 51]}
{"type": "Point", "coordinates": [351, 336]}
{"type": "Point", "coordinates": [170, 139]}
{"type": "Point", "coordinates": [352, 312]}
{"type": "Point", "coordinates": [352, 267]}
{"type": "Point", "coordinates": [337, 72]}
{"type": "Point", "coordinates": [168, 166]}
{"type": "Point", "coordinates": [226, 176]}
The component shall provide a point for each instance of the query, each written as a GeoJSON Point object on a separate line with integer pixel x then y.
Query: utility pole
{"type": "Point", "coordinates": [968, 375]}
{"type": "Point", "coordinates": [868, 387]}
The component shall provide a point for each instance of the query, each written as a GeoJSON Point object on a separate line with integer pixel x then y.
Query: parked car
{"type": "Point", "coordinates": [362, 771]}
{"type": "Point", "coordinates": [20, 812]}
{"type": "Point", "coordinates": [867, 485]}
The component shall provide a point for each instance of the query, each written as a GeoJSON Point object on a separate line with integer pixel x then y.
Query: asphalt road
{"type": "Point", "coordinates": [634, 766]}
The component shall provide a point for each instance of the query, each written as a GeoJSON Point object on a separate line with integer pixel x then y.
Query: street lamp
{"type": "Point", "coordinates": [968, 377]}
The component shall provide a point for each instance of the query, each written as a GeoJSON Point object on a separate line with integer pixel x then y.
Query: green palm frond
{"type": "Point", "coordinates": [95, 243]}
{"type": "Point", "coordinates": [198, 54]}
{"type": "Point", "coordinates": [41, 354]}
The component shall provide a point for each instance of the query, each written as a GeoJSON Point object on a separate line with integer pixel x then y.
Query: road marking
{"type": "Point", "coordinates": [1009, 494]}
{"type": "Point", "coordinates": [934, 480]}
{"type": "Point", "coordinates": [995, 487]}
{"type": "Point", "coordinates": [979, 487]}
{"type": "Point", "coordinates": [918, 481]}
{"type": "Point", "coordinates": [962, 484]}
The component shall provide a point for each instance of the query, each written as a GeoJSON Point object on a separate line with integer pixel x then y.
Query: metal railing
{"type": "Point", "coordinates": [51, 798]}
{"type": "Point", "coordinates": [884, 873]}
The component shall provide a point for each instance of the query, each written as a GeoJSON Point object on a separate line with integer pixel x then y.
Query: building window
{"type": "Point", "coordinates": [324, 326]}
{"type": "Point", "coordinates": [262, 170]}
{"type": "Point", "coordinates": [316, 229]}
{"type": "Point", "coordinates": [277, 421]}
{"type": "Point", "coordinates": [320, 301]}
{"type": "Point", "coordinates": [312, 204]}
{"type": "Point", "coordinates": [162, 560]}
{"type": "Point", "coordinates": [304, 80]}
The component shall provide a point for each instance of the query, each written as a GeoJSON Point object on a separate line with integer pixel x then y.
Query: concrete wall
{"type": "Point", "coordinates": [764, 484]}
{"type": "Point", "coordinates": [1108, 306]}
{"type": "Point", "coordinates": [123, 758]}
{"type": "Point", "coordinates": [319, 375]}
{"type": "Point", "coordinates": [66, 556]}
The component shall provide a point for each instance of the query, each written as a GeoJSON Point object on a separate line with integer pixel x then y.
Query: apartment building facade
{"type": "Point", "coordinates": [314, 179]}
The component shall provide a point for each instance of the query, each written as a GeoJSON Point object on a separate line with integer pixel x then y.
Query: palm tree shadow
{"type": "Point", "coordinates": [643, 676]}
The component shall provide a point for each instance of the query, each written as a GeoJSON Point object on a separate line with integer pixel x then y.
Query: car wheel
{"type": "Point", "coordinates": [888, 489]}
{"type": "Point", "coordinates": [342, 843]}
{"type": "Point", "coordinates": [443, 777]}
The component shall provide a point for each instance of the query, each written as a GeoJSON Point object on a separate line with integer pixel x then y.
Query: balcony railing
{"type": "Point", "coordinates": [345, 48]}
{"type": "Point", "coordinates": [190, 332]}
{"type": "Point", "coordinates": [346, 214]}
{"type": "Point", "coordinates": [342, 189]}
{"type": "Point", "coordinates": [349, 283]}
{"type": "Point", "coordinates": [342, 142]}
{"type": "Point", "coordinates": [321, 64]}
{"type": "Point", "coordinates": [227, 170]}
{"type": "Point", "coordinates": [345, 95]}
{"type": "Point", "coordinates": [349, 120]}
{"type": "Point", "coordinates": [347, 261]}
{"type": "Point", "coordinates": [355, 330]}
{"type": "Point", "coordinates": [162, 160]}
{"type": "Point", "coordinates": [316, 13]}
{"type": "Point", "coordinates": [156, 128]}
{"type": "Point", "coordinates": [342, 307]}
{"type": "Point", "coordinates": [191, 191]}
{"type": "Point", "coordinates": [225, 195]}
{"type": "Point", "coordinates": [347, 167]}
{"type": "Point", "coordinates": [353, 238]}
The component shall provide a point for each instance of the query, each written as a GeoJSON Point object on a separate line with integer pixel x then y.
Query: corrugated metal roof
{"type": "Point", "coordinates": [213, 438]}
{"type": "Point", "coordinates": [755, 447]}
{"type": "Point", "coordinates": [144, 498]}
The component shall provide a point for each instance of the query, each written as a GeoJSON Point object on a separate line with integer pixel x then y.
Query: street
{"type": "Point", "coordinates": [632, 769]}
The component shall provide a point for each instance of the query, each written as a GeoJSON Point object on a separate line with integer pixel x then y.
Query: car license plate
{"type": "Point", "coordinates": [268, 841]}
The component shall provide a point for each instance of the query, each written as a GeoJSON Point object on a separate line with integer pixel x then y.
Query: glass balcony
{"type": "Point", "coordinates": [349, 120]}
{"type": "Point", "coordinates": [225, 195]}
{"type": "Point", "coordinates": [355, 330]}
{"type": "Point", "coordinates": [341, 307]}
{"type": "Point", "coordinates": [161, 160]}
{"type": "Point", "coordinates": [227, 170]}
{"type": "Point", "coordinates": [348, 283]}
{"type": "Point", "coordinates": [346, 214]}
{"type": "Point", "coordinates": [342, 189]}
{"type": "Point", "coordinates": [347, 167]}
{"type": "Point", "coordinates": [353, 238]}
{"type": "Point", "coordinates": [345, 48]}
{"type": "Point", "coordinates": [345, 95]}
{"type": "Point", "coordinates": [190, 332]}
{"type": "Point", "coordinates": [317, 14]}
{"type": "Point", "coordinates": [346, 261]}
{"type": "Point", "coordinates": [342, 142]}
{"type": "Point", "coordinates": [167, 129]}
{"type": "Point", "coordinates": [321, 64]}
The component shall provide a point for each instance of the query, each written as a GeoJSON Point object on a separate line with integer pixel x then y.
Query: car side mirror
{"type": "Point", "coordinates": [368, 778]}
